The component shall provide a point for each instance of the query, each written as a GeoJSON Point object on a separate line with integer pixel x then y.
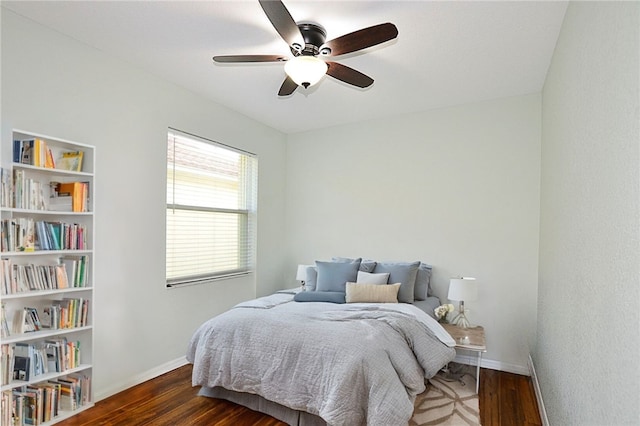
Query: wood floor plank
{"type": "Point", "coordinates": [170, 400]}
{"type": "Point", "coordinates": [530, 403]}
{"type": "Point", "coordinates": [509, 403]}
{"type": "Point", "coordinates": [488, 397]}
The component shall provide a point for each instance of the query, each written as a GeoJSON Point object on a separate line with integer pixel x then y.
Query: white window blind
{"type": "Point", "coordinates": [211, 210]}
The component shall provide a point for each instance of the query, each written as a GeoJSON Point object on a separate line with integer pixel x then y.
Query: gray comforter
{"type": "Point", "coordinates": [351, 364]}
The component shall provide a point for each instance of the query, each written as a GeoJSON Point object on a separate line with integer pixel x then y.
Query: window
{"type": "Point", "coordinates": [211, 210]}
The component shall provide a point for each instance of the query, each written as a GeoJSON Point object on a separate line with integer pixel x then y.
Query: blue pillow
{"type": "Point", "coordinates": [423, 279]}
{"type": "Point", "coordinates": [312, 277]}
{"type": "Point", "coordinates": [333, 276]}
{"type": "Point", "coordinates": [365, 265]}
{"type": "Point", "coordinates": [320, 296]}
{"type": "Point", "coordinates": [404, 273]}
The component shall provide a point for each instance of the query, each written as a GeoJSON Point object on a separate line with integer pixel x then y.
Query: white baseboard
{"type": "Point", "coordinates": [140, 378]}
{"type": "Point", "coordinates": [536, 388]}
{"type": "Point", "coordinates": [493, 365]}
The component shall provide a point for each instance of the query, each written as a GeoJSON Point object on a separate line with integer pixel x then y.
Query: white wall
{"type": "Point", "coordinates": [55, 86]}
{"type": "Point", "coordinates": [588, 340]}
{"type": "Point", "coordinates": [456, 187]}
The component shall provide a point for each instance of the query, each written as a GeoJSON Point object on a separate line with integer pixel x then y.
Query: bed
{"type": "Point", "coordinates": [309, 361]}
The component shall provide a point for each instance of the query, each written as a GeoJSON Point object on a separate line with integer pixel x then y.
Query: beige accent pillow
{"type": "Point", "coordinates": [372, 293]}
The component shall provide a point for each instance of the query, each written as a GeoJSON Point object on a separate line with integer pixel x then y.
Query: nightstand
{"type": "Point", "coordinates": [469, 339]}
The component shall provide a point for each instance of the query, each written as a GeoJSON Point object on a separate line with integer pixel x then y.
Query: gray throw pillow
{"type": "Point", "coordinates": [320, 296]}
{"type": "Point", "coordinates": [422, 289]}
{"type": "Point", "coordinates": [333, 276]}
{"type": "Point", "coordinates": [404, 273]}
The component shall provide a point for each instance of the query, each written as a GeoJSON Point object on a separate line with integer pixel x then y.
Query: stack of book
{"type": "Point", "coordinates": [18, 278]}
{"type": "Point", "coordinates": [26, 361]}
{"type": "Point", "coordinates": [60, 236]}
{"type": "Point", "coordinates": [66, 313]}
{"type": "Point", "coordinates": [58, 314]}
{"type": "Point", "coordinates": [70, 196]}
{"type": "Point", "coordinates": [42, 402]}
{"type": "Point", "coordinates": [28, 193]}
{"type": "Point", "coordinates": [18, 234]}
{"type": "Point", "coordinates": [34, 152]}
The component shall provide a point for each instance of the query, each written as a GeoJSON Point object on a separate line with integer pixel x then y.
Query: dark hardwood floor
{"type": "Point", "coordinates": [169, 400]}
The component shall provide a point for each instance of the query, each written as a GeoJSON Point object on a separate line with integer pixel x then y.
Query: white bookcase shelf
{"type": "Point", "coordinates": [47, 258]}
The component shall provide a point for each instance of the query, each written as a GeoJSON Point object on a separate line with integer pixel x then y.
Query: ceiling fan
{"type": "Point", "coordinates": [307, 41]}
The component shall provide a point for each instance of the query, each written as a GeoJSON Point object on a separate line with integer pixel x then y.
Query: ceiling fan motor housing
{"type": "Point", "coordinates": [314, 36]}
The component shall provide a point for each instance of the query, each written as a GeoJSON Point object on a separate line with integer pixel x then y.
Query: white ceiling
{"type": "Point", "coordinates": [447, 52]}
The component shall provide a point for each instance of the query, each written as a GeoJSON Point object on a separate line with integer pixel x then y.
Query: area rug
{"type": "Point", "coordinates": [447, 402]}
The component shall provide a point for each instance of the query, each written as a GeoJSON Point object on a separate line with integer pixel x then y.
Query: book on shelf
{"type": "Point", "coordinates": [18, 325]}
{"type": "Point", "coordinates": [71, 160]}
{"type": "Point", "coordinates": [6, 196]}
{"type": "Point", "coordinates": [6, 363]}
{"type": "Point", "coordinates": [33, 319]}
{"type": "Point", "coordinates": [21, 368]}
{"type": "Point", "coordinates": [5, 325]}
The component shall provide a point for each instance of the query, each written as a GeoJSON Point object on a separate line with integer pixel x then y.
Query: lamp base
{"type": "Point", "coordinates": [461, 321]}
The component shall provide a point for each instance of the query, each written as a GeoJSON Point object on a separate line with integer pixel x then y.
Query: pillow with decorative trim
{"type": "Point", "coordinates": [320, 296]}
{"type": "Point", "coordinates": [332, 276]}
{"type": "Point", "coordinates": [371, 293]}
{"type": "Point", "coordinates": [404, 273]}
{"type": "Point", "coordinates": [371, 278]}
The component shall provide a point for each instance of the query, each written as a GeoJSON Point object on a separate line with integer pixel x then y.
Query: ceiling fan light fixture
{"type": "Point", "coordinates": [305, 70]}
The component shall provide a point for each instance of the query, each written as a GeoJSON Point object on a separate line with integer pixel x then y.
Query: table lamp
{"type": "Point", "coordinates": [301, 275]}
{"type": "Point", "coordinates": [461, 289]}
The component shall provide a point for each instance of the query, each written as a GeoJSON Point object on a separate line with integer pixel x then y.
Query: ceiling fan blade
{"type": "Point", "coordinates": [250, 58]}
{"type": "Point", "coordinates": [288, 87]}
{"type": "Point", "coordinates": [282, 21]}
{"type": "Point", "coordinates": [362, 39]}
{"type": "Point", "coordinates": [348, 75]}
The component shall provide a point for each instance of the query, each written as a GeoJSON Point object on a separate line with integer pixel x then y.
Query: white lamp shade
{"type": "Point", "coordinates": [305, 70]}
{"type": "Point", "coordinates": [301, 274]}
{"type": "Point", "coordinates": [464, 289]}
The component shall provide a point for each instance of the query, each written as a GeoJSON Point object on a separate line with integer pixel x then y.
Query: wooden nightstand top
{"type": "Point", "coordinates": [475, 334]}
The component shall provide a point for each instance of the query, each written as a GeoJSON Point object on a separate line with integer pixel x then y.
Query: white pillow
{"type": "Point", "coordinates": [371, 293]}
{"type": "Point", "coordinates": [369, 278]}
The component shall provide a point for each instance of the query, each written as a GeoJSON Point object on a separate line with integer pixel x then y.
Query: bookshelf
{"type": "Point", "coordinates": [46, 278]}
